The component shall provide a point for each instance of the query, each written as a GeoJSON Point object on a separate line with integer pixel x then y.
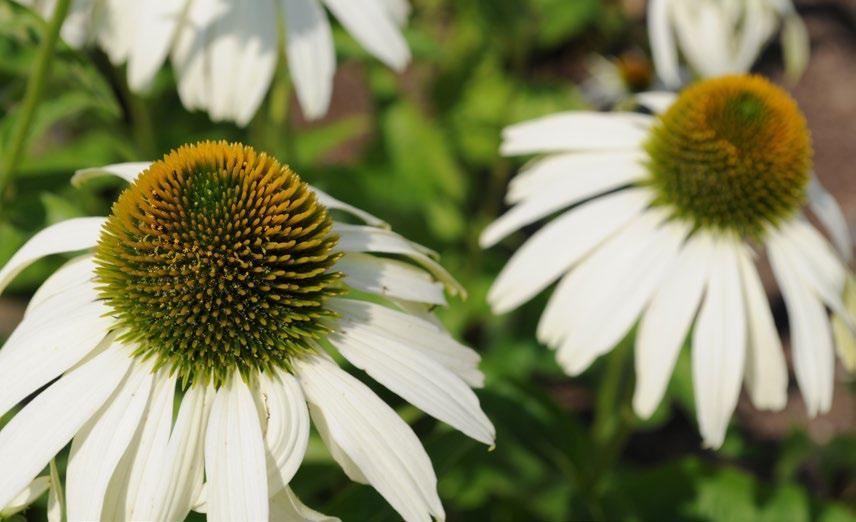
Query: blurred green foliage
{"type": "Point", "coordinates": [421, 151]}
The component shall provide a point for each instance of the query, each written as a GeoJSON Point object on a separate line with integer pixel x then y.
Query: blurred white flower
{"type": "Point", "coordinates": [664, 211]}
{"type": "Point", "coordinates": [220, 273]}
{"type": "Point", "coordinates": [225, 51]}
{"type": "Point", "coordinates": [718, 37]}
{"type": "Point", "coordinates": [612, 80]}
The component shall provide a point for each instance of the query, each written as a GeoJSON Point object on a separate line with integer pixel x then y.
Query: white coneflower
{"type": "Point", "coordinates": [225, 51]}
{"type": "Point", "coordinates": [718, 37]}
{"type": "Point", "coordinates": [221, 278]}
{"type": "Point", "coordinates": [665, 211]}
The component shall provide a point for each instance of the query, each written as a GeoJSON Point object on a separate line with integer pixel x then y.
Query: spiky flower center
{"type": "Point", "coordinates": [218, 259]}
{"type": "Point", "coordinates": [731, 153]}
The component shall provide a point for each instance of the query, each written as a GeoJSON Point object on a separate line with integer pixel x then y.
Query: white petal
{"type": "Point", "coordinates": [22, 500]}
{"type": "Point", "coordinates": [416, 378]}
{"type": "Point", "coordinates": [602, 298]}
{"type": "Point", "coordinates": [398, 9]}
{"type": "Point", "coordinates": [115, 26]}
{"type": "Point", "coordinates": [67, 236]}
{"type": "Point", "coordinates": [766, 369]}
{"type": "Point", "coordinates": [286, 507]}
{"type": "Point", "coordinates": [549, 252]}
{"type": "Point", "coordinates": [190, 56]}
{"type": "Point", "coordinates": [311, 56]}
{"type": "Point", "coordinates": [242, 56]}
{"type": "Point", "coordinates": [666, 321]}
{"type": "Point", "coordinates": [663, 45]}
{"type": "Point", "coordinates": [796, 46]}
{"type": "Point", "coordinates": [824, 206]}
{"type": "Point", "coordinates": [52, 338]}
{"type": "Point", "coordinates": [235, 457]}
{"type": "Point", "coordinates": [569, 131]}
{"type": "Point", "coordinates": [815, 261]}
{"type": "Point", "coordinates": [45, 425]}
{"type": "Point", "coordinates": [811, 337]}
{"type": "Point", "coordinates": [102, 441]}
{"type": "Point", "coordinates": [386, 450]}
{"type": "Point", "coordinates": [373, 26]}
{"type": "Point", "coordinates": [358, 238]}
{"type": "Point", "coordinates": [339, 455]}
{"type": "Point", "coordinates": [845, 338]}
{"type": "Point", "coordinates": [572, 170]}
{"type": "Point", "coordinates": [334, 204]}
{"type": "Point", "coordinates": [74, 274]}
{"type": "Point", "coordinates": [126, 171]}
{"type": "Point", "coordinates": [376, 322]}
{"type": "Point", "coordinates": [719, 345]}
{"type": "Point", "coordinates": [286, 428]}
{"type": "Point", "coordinates": [571, 189]}
{"type": "Point", "coordinates": [142, 462]}
{"type": "Point", "coordinates": [657, 102]}
{"type": "Point", "coordinates": [155, 31]}
{"type": "Point", "coordinates": [390, 278]}
{"type": "Point", "coordinates": [181, 477]}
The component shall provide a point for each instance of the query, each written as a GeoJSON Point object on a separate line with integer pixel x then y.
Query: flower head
{"type": "Point", "coordinates": [225, 52]}
{"type": "Point", "coordinates": [718, 37]}
{"type": "Point", "coordinates": [664, 212]}
{"type": "Point", "coordinates": [221, 279]}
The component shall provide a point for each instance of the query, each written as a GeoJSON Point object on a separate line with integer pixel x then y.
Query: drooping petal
{"type": "Point", "coordinates": [572, 188]}
{"type": "Point", "coordinates": [311, 55]}
{"type": "Point", "coordinates": [286, 507]}
{"type": "Point", "coordinates": [180, 479]}
{"type": "Point", "coordinates": [334, 204]}
{"type": "Point", "coordinates": [569, 170]}
{"type": "Point", "coordinates": [371, 24]}
{"type": "Point", "coordinates": [56, 497]}
{"type": "Point", "coordinates": [67, 236]}
{"type": "Point", "coordinates": [100, 444]}
{"type": "Point", "coordinates": [69, 277]}
{"type": "Point", "coordinates": [390, 278]}
{"type": "Point", "coordinates": [657, 102]}
{"type": "Point", "coordinates": [416, 378]}
{"type": "Point", "coordinates": [824, 206]}
{"type": "Point", "coordinates": [569, 131]}
{"type": "Point", "coordinates": [22, 500]}
{"type": "Point", "coordinates": [156, 23]}
{"type": "Point", "coordinates": [358, 238]}
{"type": "Point", "coordinates": [126, 171]}
{"type": "Point", "coordinates": [663, 43]}
{"type": "Point", "coordinates": [235, 457]}
{"type": "Point", "coordinates": [52, 338]}
{"type": "Point", "coordinates": [766, 368]}
{"type": "Point", "coordinates": [819, 268]}
{"type": "Point", "coordinates": [811, 336]}
{"type": "Point", "coordinates": [374, 437]}
{"type": "Point", "coordinates": [845, 338]}
{"type": "Point", "coordinates": [377, 323]}
{"type": "Point", "coordinates": [598, 302]}
{"type": "Point", "coordinates": [666, 321]}
{"type": "Point", "coordinates": [48, 423]}
{"type": "Point", "coordinates": [719, 345]}
{"type": "Point", "coordinates": [143, 460]}
{"type": "Point", "coordinates": [286, 428]}
{"type": "Point", "coordinates": [549, 252]}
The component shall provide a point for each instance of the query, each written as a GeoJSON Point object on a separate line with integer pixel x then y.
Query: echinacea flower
{"type": "Point", "coordinates": [664, 214]}
{"type": "Point", "coordinates": [225, 52]}
{"type": "Point", "coordinates": [219, 283]}
{"type": "Point", "coordinates": [719, 37]}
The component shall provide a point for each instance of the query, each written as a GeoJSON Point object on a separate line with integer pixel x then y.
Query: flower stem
{"type": "Point", "coordinates": [33, 94]}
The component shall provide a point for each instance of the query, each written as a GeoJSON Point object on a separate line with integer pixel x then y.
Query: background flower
{"type": "Point", "coordinates": [225, 52]}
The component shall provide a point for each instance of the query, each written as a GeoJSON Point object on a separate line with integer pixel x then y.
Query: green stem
{"type": "Point", "coordinates": [33, 94]}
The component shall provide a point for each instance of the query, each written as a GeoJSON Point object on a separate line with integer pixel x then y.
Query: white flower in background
{"type": "Point", "coordinates": [220, 278]}
{"type": "Point", "coordinates": [664, 211]}
{"type": "Point", "coordinates": [611, 80]}
{"type": "Point", "coordinates": [225, 52]}
{"type": "Point", "coordinates": [719, 37]}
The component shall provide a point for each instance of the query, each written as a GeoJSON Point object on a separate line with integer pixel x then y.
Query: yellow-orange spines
{"type": "Point", "coordinates": [732, 153]}
{"type": "Point", "coordinates": [218, 258]}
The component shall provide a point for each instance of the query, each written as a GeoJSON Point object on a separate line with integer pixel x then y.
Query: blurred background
{"type": "Point", "coordinates": [420, 150]}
